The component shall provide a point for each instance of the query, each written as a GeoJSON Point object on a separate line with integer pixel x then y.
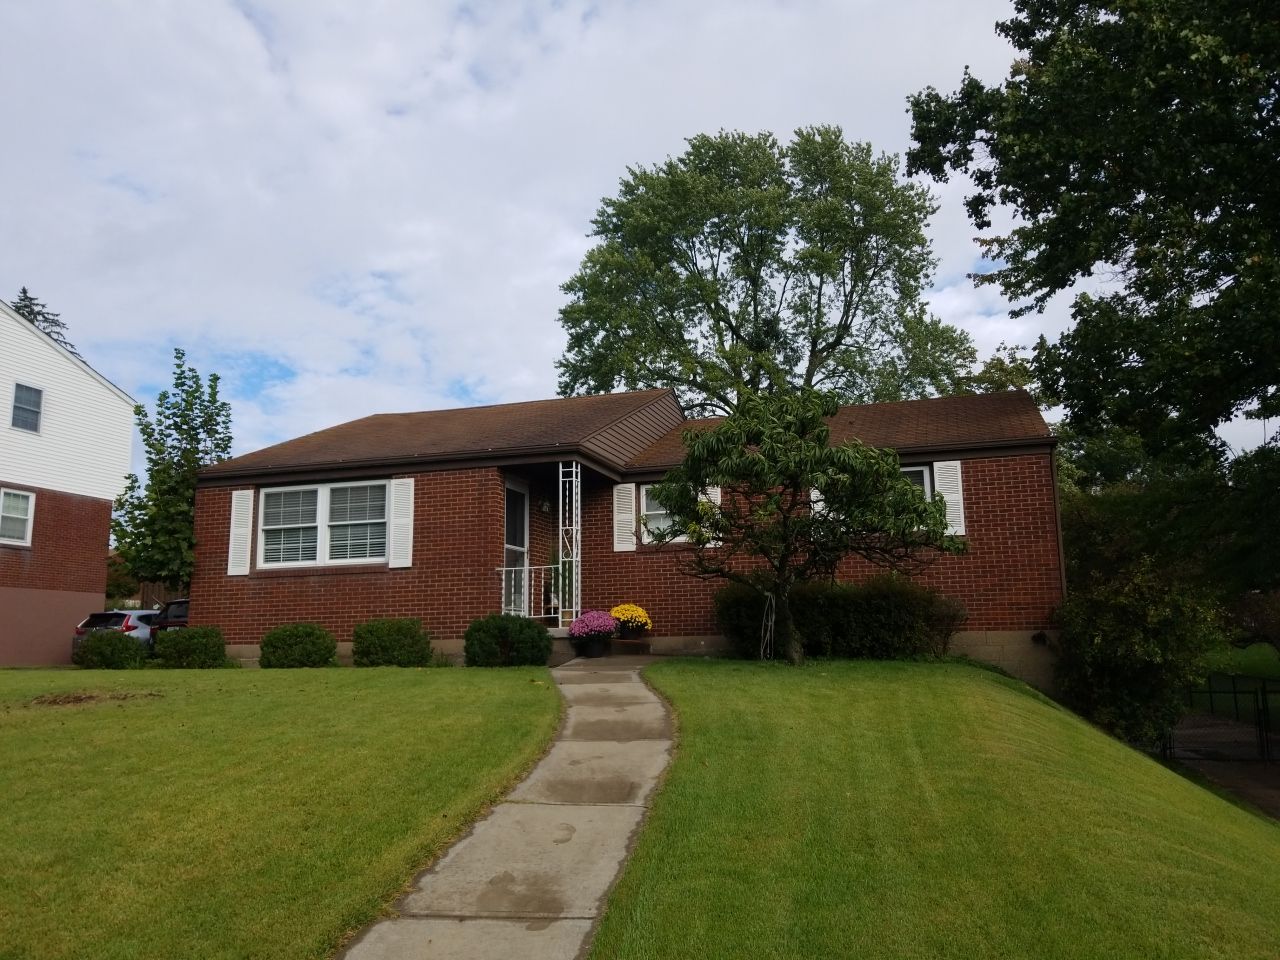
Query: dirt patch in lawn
{"type": "Point", "coordinates": [76, 697]}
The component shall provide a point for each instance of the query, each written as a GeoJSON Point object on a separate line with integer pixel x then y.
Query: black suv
{"type": "Point", "coordinates": [172, 616]}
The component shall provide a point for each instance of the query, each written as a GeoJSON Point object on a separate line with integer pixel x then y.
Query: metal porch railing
{"type": "Point", "coordinates": [532, 592]}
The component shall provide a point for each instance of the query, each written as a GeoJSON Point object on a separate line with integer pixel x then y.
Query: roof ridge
{"type": "Point", "coordinates": [512, 403]}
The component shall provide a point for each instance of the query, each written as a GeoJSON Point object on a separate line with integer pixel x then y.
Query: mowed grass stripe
{"type": "Point", "coordinates": [242, 813]}
{"type": "Point", "coordinates": [893, 810]}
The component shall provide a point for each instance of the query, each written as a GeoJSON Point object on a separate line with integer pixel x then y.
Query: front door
{"type": "Point", "coordinates": [515, 577]}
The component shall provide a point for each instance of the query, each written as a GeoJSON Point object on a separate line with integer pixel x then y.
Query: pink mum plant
{"type": "Point", "coordinates": [593, 623]}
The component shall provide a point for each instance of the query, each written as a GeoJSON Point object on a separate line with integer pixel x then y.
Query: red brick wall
{"type": "Point", "coordinates": [457, 518]}
{"type": "Point", "coordinates": [69, 545]}
{"type": "Point", "coordinates": [1009, 580]}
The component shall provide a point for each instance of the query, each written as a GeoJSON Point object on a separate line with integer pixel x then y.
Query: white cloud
{"type": "Point", "coordinates": [384, 198]}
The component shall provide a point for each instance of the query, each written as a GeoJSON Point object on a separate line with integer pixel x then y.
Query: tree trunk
{"type": "Point", "coordinates": [785, 637]}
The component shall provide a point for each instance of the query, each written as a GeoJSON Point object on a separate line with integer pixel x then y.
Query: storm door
{"type": "Point", "coordinates": [515, 578]}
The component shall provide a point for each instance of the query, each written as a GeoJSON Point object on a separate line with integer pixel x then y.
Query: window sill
{"type": "Point", "coordinates": [333, 570]}
{"type": "Point", "coordinates": [671, 546]}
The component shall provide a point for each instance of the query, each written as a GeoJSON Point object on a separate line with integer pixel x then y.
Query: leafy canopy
{"type": "Point", "coordinates": [154, 527]}
{"type": "Point", "coordinates": [43, 319]}
{"type": "Point", "coordinates": [743, 266]}
{"type": "Point", "coordinates": [1136, 140]}
{"type": "Point", "coordinates": [768, 458]}
{"type": "Point", "coordinates": [1132, 645]}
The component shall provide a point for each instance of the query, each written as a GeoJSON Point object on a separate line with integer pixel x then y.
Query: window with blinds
{"type": "Point", "coordinates": [27, 404]}
{"type": "Point", "coordinates": [358, 522]}
{"type": "Point", "coordinates": [289, 530]}
{"type": "Point", "coordinates": [16, 514]}
{"type": "Point", "coordinates": [323, 524]}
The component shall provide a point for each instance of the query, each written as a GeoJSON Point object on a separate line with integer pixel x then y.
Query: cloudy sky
{"type": "Point", "coordinates": [350, 208]}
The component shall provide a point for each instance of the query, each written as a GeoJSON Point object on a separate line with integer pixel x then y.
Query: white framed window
{"type": "Point", "coordinates": [27, 404]}
{"type": "Point", "coordinates": [17, 517]}
{"type": "Point", "coordinates": [653, 515]}
{"type": "Point", "coordinates": [322, 524]}
{"type": "Point", "coordinates": [922, 477]}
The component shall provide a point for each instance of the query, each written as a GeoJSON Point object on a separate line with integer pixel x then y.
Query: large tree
{"type": "Point", "coordinates": [1136, 141]}
{"type": "Point", "coordinates": [744, 266]}
{"type": "Point", "coordinates": [43, 318]}
{"type": "Point", "coordinates": [768, 459]}
{"type": "Point", "coordinates": [154, 525]}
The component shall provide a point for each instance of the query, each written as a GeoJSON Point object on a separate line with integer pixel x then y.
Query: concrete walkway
{"type": "Point", "coordinates": [529, 881]}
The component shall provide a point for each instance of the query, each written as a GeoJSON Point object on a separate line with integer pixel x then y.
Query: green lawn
{"type": "Point", "coordinates": [893, 810]}
{"type": "Point", "coordinates": [241, 813]}
{"type": "Point", "coordinates": [1255, 660]}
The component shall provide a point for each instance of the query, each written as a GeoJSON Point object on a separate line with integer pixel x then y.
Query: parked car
{"type": "Point", "coordinates": [136, 623]}
{"type": "Point", "coordinates": [172, 616]}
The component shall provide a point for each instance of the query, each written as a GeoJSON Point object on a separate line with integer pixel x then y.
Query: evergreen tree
{"type": "Point", "coordinates": [44, 319]}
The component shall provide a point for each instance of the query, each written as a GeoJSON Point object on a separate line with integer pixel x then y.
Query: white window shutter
{"type": "Point", "coordinates": [712, 495]}
{"type": "Point", "coordinates": [624, 516]}
{"type": "Point", "coordinates": [240, 542]}
{"type": "Point", "coordinates": [948, 485]}
{"type": "Point", "coordinates": [400, 528]}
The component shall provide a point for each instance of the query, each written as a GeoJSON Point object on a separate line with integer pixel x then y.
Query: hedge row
{"type": "Point", "coordinates": [884, 618]}
{"type": "Point", "coordinates": [490, 641]}
{"type": "Point", "coordinates": [192, 648]}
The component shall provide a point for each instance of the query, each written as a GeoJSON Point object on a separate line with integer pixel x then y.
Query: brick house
{"type": "Point", "coordinates": [534, 508]}
{"type": "Point", "coordinates": [65, 444]}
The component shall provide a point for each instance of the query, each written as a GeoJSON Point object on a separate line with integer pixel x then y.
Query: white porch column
{"type": "Point", "coordinates": [570, 541]}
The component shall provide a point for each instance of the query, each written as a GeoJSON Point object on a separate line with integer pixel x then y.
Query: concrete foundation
{"type": "Point", "coordinates": [1012, 650]}
{"type": "Point", "coordinates": [1015, 651]}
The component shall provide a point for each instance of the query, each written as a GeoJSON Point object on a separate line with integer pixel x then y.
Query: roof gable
{"type": "Point", "coordinates": [46, 342]}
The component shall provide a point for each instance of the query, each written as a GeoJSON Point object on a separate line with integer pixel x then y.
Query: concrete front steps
{"type": "Point", "coordinates": [530, 879]}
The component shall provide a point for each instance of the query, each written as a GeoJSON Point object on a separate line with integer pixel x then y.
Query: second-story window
{"type": "Point", "coordinates": [27, 402]}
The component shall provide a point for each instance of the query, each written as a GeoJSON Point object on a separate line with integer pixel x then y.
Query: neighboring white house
{"type": "Point", "coordinates": [66, 434]}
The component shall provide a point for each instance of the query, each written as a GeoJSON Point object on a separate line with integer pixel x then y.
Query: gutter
{"type": "Point", "coordinates": [545, 453]}
{"type": "Point", "coordinates": [908, 455]}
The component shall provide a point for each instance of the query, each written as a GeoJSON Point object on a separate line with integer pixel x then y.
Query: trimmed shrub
{"type": "Point", "coordinates": [298, 645]}
{"type": "Point", "coordinates": [108, 650]}
{"type": "Point", "coordinates": [884, 618]}
{"type": "Point", "coordinates": [192, 648]}
{"type": "Point", "coordinates": [391, 643]}
{"type": "Point", "coordinates": [1131, 646]}
{"type": "Point", "coordinates": [503, 640]}
{"type": "Point", "coordinates": [738, 611]}
{"type": "Point", "coordinates": [891, 618]}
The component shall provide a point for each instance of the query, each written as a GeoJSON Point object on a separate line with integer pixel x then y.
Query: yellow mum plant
{"type": "Point", "coordinates": [631, 616]}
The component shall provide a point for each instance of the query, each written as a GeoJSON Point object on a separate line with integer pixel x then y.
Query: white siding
{"type": "Point", "coordinates": [86, 425]}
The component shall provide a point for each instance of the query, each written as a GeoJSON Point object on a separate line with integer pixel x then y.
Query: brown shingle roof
{"type": "Point", "coordinates": [469, 433]}
{"type": "Point", "coordinates": [942, 423]}
{"type": "Point", "coordinates": [633, 432]}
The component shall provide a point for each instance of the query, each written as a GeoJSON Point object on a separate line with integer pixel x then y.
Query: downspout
{"type": "Point", "coordinates": [1057, 517]}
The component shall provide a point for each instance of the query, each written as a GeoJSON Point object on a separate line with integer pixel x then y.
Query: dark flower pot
{"type": "Point", "coordinates": [591, 647]}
